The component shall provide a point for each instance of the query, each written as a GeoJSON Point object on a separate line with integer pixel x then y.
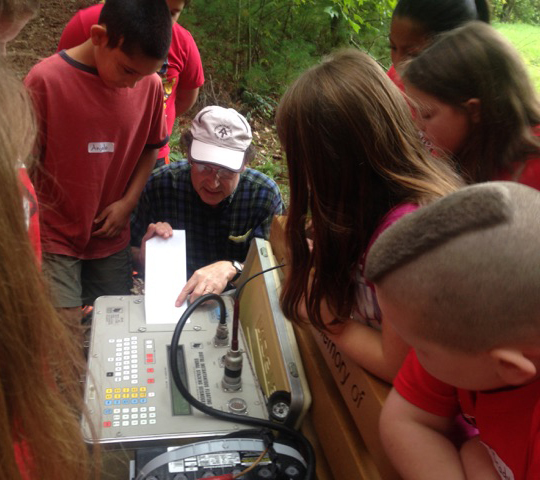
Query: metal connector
{"type": "Point", "coordinates": [232, 375]}
{"type": "Point", "coordinates": [221, 338]}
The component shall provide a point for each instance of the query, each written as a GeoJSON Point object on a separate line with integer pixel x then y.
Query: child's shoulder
{"type": "Point", "coordinates": [181, 38]}
{"type": "Point", "coordinates": [45, 66]}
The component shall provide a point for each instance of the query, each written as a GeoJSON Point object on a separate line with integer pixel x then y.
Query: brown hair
{"type": "Point", "coordinates": [353, 153]}
{"type": "Point", "coordinates": [40, 395]}
{"type": "Point", "coordinates": [475, 61]}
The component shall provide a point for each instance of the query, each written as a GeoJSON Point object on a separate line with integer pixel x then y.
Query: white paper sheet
{"type": "Point", "coordinates": [165, 276]}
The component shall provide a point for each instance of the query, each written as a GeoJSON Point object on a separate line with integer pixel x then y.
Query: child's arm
{"type": "Point", "coordinates": [381, 353]}
{"type": "Point", "coordinates": [416, 442]}
{"type": "Point", "coordinates": [116, 215]}
{"type": "Point", "coordinates": [477, 461]}
{"type": "Point", "coordinates": [185, 99]}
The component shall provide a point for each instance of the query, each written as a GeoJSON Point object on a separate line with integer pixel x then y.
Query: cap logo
{"type": "Point", "coordinates": [223, 132]}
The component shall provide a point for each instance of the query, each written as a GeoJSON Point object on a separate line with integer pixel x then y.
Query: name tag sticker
{"type": "Point", "coordinates": [101, 147]}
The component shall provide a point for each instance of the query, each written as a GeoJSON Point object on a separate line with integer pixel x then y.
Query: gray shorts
{"type": "Point", "coordinates": [75, 282]}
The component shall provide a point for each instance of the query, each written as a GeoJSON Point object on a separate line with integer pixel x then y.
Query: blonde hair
{"type": "Point", "coordinates": [40, 393]}
{"type": "Point", "coordinates": [353, 153]}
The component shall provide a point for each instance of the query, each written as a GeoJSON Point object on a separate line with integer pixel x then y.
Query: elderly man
{"type": "Point", "coordinates": [221, 204]}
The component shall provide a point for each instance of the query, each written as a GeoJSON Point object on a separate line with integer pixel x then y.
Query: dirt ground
{"type": "Point", "coordinates": [40, 36]}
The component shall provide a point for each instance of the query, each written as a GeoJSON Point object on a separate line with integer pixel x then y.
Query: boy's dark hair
{"type": "Point", "coordinates": [138, 26]}
{"type": "Point", "coordinates": [437, 16]}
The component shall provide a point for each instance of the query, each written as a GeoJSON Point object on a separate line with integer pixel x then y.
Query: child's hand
{"type": "Point", "coordinates": [114, 217]}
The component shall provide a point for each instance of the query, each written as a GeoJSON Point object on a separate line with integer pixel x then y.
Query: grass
{"type": "Point", "coordinates": [526, 38]}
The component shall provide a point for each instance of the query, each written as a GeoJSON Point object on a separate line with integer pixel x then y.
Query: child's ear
{"type": "Point", "coordinates": [512, 366]}
{"type": "Point", "coordinates": [473, 106]}
{"type": "Point", "coordinates": [98, 34]}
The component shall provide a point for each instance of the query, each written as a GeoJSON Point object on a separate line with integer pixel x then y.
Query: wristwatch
{"type": "Point", "coordinates": [239, 267]}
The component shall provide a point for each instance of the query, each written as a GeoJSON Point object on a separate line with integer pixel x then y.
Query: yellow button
{"type": "Point", "coordinates": [109, 390]}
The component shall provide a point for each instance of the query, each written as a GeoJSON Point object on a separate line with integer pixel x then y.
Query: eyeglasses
{"type": "Point", "coordinates": [204, 169]}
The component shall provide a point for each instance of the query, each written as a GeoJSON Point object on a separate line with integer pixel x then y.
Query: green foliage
{"type": "Point", "coordinates": [274, 168]}
{"type": "Point", "coordinates": [261, 104]}
{"type": "Point", "coordinates": [522, 11]}
{"type": "Point", "coordinates": [526, 38]}
{"type": "Point", "coordinates": [279, 67]}
{"type": "Point", "coordinates": [261, 45]}
{"type": "Point", "coordinates": [175, 155]}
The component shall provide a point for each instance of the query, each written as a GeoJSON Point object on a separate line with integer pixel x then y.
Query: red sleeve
{"type": "Point", "coordinates": [158, 135]}
{"type": "Point", "coordinates": [531, 173]}
{"type": "Point", "coordinates": [185, 53]}
{"type": "Point", "coordinates": [394, 76]}
{"type": "Point", "coordinates": [22, 458]}
{"type": "Point", "coordinates": [424, 391]}
{"type": "Point", "coordinates": [533, 467]}
{"type": "Point", "coordinates": [390, 218]}
{"type": "Point", "coordinates": [31, 211]}
{"type": "Point", "coordinates": [526, 174]}
{"type": "Point", "coordinates": [77, 30]}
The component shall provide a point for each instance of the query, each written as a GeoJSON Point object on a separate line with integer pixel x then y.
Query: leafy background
{"type": "Point", "coordinates": [252, 49]}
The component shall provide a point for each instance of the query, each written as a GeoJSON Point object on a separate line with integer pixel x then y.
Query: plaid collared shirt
{"type": "Point", "coordinates": [216, 233]}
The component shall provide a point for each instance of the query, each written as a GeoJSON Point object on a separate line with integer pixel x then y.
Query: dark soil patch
{"type": "Point", "coordinates": [40, 36]}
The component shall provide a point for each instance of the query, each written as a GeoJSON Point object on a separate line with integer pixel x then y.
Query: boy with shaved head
{"type": "Point", "coordinates": [460, 282]}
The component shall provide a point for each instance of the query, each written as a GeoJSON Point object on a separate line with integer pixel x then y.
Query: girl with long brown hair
{"type": "Point", "coordinates": [356, 164]}
{"type": "Point", "coordinates": [41, 364]}
{"type": "Point", "coordinates": [475, 101]}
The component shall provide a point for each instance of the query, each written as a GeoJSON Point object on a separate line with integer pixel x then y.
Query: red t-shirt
{"type": "Point", "coordinates": [394, 76]}
{"type": "Point", "coordinates": [527, 173]}
{"type": "Point", "coordinates": [367, 309]}
{"type": "Point", "coordinates": [508, 420]}
{"type": "Point", "coordinates": [31, 210]}
{"type": "Point", "coordinates": [182, 70]}
{"type": "Point", "coordinates": [91, 139]}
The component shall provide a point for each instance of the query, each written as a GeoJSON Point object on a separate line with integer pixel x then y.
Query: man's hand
{"type": "Point", "coordinates": [210, 279]}
{"type": "Point", "coordinates": [159, 229]}
{"type": "Point", "coordinates": [114, 217]}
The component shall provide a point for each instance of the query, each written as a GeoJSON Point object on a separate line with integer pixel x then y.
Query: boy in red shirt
{"type": "Point", "coordinates": [100, 113]}
{"type": "Point", "coordinates": [182, 73]}
{"type": "Point", "coordinates": [459, 281]}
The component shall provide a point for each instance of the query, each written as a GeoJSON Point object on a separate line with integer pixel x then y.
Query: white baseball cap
{"type": "Point", "coordinates": [220, 137]}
